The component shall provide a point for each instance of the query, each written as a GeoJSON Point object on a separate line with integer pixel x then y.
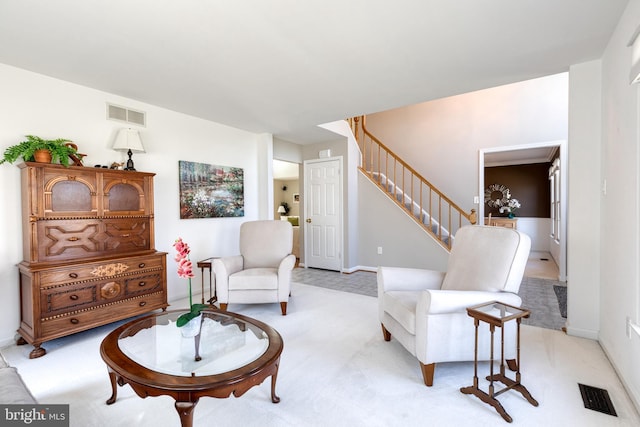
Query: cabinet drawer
{"type": "Point", "coordinates": [67, 298]}
{"type": "Point", "coordinates": [97, 270]}
{"type": "Point", "coordinates": [144, 283]}
{"type": "Point", "coordinates": [63, 299]}
{"type": "Point", "coordinates": [101, 315]}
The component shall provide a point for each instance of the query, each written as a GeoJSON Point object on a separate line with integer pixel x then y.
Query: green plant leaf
{"type": "Point", "coordinates": [60, 152]}
{"type": "Point", "coordinates": [199, 307]}
{"type": "Point", "coordinates": [195, 312]}
{"type": "Point", "coordinates": [184, 318]}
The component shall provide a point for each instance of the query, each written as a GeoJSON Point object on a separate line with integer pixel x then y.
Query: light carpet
{"type": "Point", "coordinates": [336, 370]}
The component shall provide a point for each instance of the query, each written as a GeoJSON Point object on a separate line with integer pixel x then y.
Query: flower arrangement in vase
{"type": "Point", "coordinates": [185, 270]}
{"type": "Point", "coordinates": [511, 206]}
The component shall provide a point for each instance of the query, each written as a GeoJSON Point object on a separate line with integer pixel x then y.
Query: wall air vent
{"type": "Point", "coordinates": [127, 115]}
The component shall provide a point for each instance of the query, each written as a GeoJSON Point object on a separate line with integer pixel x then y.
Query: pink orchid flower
{"type": "Point", "coordinates": [185, 268]}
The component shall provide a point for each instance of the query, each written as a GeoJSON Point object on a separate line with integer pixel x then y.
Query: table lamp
{"type": "Point", "coordinates": [281, 210]}
{"type": "Point", "coordinates": [128, 140]}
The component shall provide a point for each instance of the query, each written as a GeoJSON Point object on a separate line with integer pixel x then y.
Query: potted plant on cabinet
{"type": "Point", "coordinates": [54, 150]}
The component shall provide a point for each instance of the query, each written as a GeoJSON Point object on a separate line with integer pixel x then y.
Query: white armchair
{"type": "Point", "coordinates": [426, 310]}
{"type": "Point", "coordinates": [262, 271]}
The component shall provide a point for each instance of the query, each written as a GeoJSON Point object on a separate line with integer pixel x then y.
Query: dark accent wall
{"type": "Point", "coordinates": [527, 183]}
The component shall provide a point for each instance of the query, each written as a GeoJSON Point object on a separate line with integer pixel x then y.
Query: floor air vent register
{"type": "Point", "coordinates": [597, 399]}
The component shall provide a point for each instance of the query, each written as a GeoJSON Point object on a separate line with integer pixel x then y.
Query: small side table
{"type": "Point", "coordinates": [207, 263]}
{"type": "Point", "coordinates": [496, 314]}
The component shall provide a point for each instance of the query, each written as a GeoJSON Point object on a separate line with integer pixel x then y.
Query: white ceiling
{"type": "Point", "coordinates": [285, 66]}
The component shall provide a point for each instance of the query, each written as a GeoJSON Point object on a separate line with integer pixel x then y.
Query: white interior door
{"type": "Point", "coordinates": [323, 213]}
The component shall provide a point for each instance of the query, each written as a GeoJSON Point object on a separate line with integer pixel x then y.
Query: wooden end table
{"type": "Point", "coordinates": [496, 314]}
{"type": "Point", "coordinates": [207, 263]}
{"type": "Point", "coordinates": [229, 353]}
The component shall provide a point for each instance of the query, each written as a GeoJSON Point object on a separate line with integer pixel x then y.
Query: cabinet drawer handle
{"type": "Point", "coordinates": [73, 239]}
{"type": "Point", "coordinates": [73, 275]}
{"type": "Point", "coordinates": [141, 284]}
{"type": "Point", "coordinates": [74, 321]}
{"type": "Point", "coordinates": [74, 297]}
{"type": "Point", "coordinates": [141, 265]}
{"type": "Point", "coordinates": [126, 235]}
{"type": "Point", "coordinates": [142, 303]}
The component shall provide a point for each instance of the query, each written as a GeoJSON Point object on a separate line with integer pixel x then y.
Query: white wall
{"type": "Point", "coordinates": [583, 234]}
{"type": "Point", "coordinates": [404, 243]}
{"type": "Point", "coordinates": [39, 105]}
{"type": "Point", "coordinates": [538, 230]}
{"type": "Point", "coordinates": [620, 216]}
{"type": "Point", "coordinates": [287, 151]}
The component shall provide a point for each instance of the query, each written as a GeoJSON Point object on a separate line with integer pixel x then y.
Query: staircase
{"type": "Point", "coordinates": [426, 205]}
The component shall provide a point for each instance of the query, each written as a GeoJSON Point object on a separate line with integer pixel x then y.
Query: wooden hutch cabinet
{"type": "Point", "coordinates": [89, 254]}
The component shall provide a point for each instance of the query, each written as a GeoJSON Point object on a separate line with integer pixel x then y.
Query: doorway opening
{"type": "Point", "coordinates": [286, 199]}
{"type": "Point", "coordinates": [549, 234]}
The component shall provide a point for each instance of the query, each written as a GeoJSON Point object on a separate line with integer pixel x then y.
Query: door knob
{"type": "Point", "coordinates": [309, 220]}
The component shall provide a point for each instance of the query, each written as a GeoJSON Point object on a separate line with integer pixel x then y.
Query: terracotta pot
{"type": "Point", "coordinates": [42, 156]}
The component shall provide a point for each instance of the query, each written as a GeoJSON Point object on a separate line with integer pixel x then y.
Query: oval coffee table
{"type": "Point", "coordinates": [230, 354]}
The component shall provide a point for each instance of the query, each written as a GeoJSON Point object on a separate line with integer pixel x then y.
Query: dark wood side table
{"type": "Point", "coordinates": [208, 264]}
{"type": "Point", "coordinates": [496, 314]}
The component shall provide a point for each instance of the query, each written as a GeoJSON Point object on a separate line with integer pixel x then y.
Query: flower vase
{"type": "Point", "coordinates": [192, 327]}
{"type": "Point", "coordinates": [511, 215]}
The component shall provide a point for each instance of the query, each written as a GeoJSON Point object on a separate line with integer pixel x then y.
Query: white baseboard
{"type": "Point", "coordinates": [359, 268]}
{"type": "Point", "coordinates": [582, 333]}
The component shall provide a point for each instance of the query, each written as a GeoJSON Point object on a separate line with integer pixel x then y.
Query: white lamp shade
{"type": "Point", "coordinates": [281, 209]}
{"type": "Point", "coordinates": [128, 139]}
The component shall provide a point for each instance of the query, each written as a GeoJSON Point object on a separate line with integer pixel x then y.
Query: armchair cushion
{"type": "Point", "coordinates": [492, 264]}
{"type": "Point", "coordinates": [265, 243]}
{"type": "Point", "coordinates": [254, 278]}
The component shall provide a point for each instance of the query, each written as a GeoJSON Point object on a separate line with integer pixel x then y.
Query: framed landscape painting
{"type": "Point", "coordinates": [210, 191]}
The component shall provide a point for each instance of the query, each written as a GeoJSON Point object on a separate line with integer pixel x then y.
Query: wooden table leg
{"type": "Point", "coordinates": [475, 389]}
{"type": "Point", "coordinates": [114, 388]}
{"type": "Point", "coordinates": [185, 410]}
{"type": "Point", "coordinates": [274, 397]}
{"type": "Point", "coordinates": [491, 389]}
{"type": "Point", "coordinates": [212, 289]}
{"type": "Point", "coordinates": [202, 283]}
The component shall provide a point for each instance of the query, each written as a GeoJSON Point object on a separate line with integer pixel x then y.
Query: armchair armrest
{"type": "Point", "coordinates": [226, 266]}
{"type": "Point", "coordinates": [287, 264]}
{"type": "Point", "coordinates": [284, 277]}
{"type": "Point", "coordinates": [223, 268]}
{"type": "Point", "coordinates": [441, 302]}
{"type": "Point", "coordinates": [408, 279]}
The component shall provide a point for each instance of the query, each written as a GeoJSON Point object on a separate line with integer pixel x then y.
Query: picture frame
{"type": "Point", "coordinates": [296, 197]}
{"type": "Point", "coordinates": [210, 191]}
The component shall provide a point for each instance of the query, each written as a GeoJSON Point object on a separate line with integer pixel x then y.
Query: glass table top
{"type": "Point", "coordinates": [498, 311]}
{"type": "Point", "coordinates": [225, 343]}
